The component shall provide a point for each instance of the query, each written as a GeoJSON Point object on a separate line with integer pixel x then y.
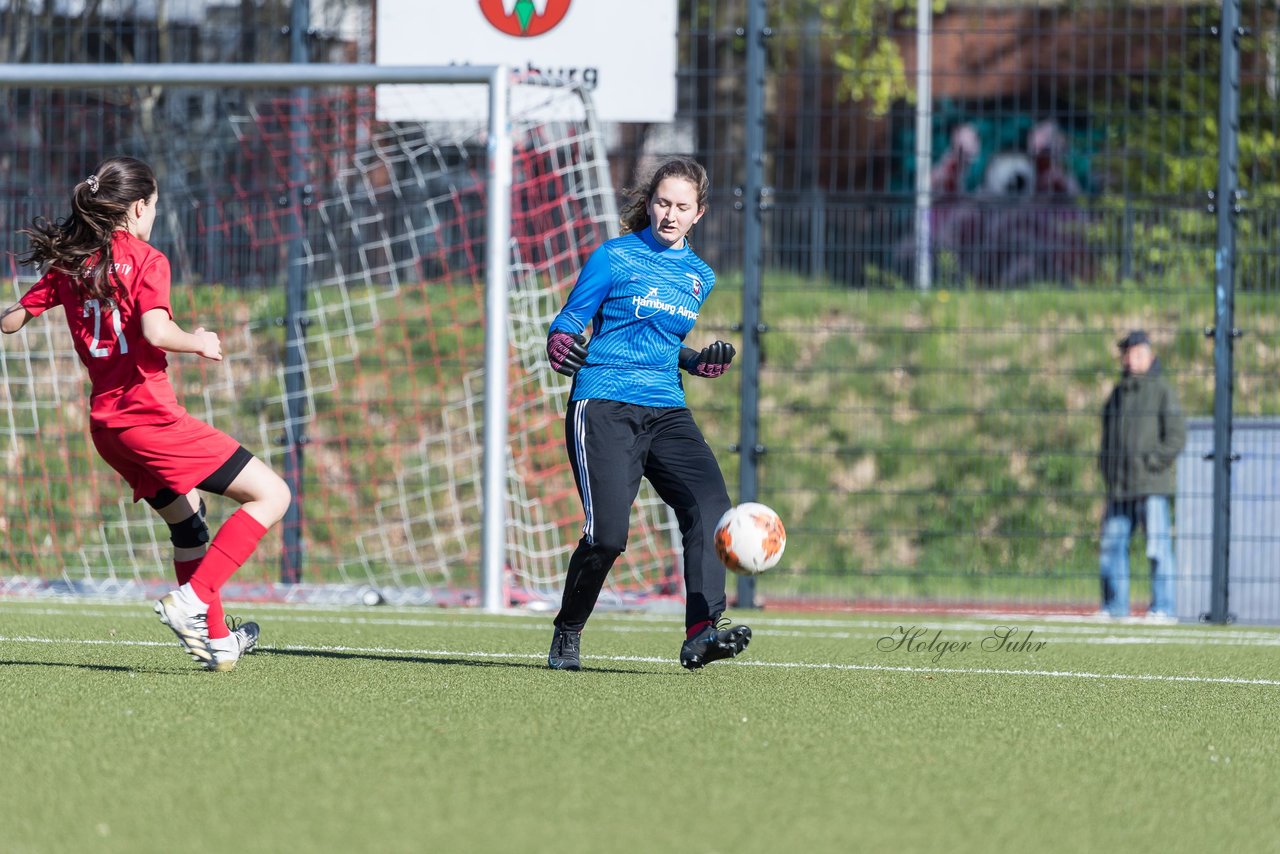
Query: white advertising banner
{"type": "Point", "coordinates": [622, 50]}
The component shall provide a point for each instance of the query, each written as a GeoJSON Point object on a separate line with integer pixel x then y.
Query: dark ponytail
{"type": "Point", "coordinates": [99, 205]}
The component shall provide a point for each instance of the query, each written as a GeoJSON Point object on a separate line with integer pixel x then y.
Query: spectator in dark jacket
{"type": "Point", "coordinates": [1142, 434]}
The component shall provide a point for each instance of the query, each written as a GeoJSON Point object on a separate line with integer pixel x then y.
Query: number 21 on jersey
{"type": "Point", "coordinates": [94, 307]}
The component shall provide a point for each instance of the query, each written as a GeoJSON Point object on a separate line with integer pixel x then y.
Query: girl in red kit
{"type": "Point", "coordinates": [114, 288]}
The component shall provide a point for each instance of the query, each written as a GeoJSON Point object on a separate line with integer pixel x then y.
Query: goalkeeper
{"type": "Point", "coordinates": [627, 417]}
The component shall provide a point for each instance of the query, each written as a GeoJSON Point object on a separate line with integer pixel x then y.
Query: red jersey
{"type": "Point", "coordinates": [127, 372]}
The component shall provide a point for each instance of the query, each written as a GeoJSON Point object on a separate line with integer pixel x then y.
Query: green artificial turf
{"type": "Point", "coordinates": [384, 729]}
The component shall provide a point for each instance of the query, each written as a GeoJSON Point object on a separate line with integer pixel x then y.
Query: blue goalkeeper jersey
{"type": "Point", "coordinates": [641, 298]}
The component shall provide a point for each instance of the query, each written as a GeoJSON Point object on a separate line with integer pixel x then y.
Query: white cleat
{"type": "Point", "coordinates": [246, 634]}
{"type": "Point", "coordinates": [183, 612]}
{"type": "Point", "coordinates": [241, 641]}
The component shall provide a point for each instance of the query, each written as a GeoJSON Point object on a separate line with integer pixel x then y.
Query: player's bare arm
{"type": "Point", "coordinates": [14, 318]}
{"type": "Point", "coordinates": [161, 330]}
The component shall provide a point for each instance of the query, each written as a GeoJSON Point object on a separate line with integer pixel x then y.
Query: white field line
{"type": "Point", "coordinates": [1095, 635]}
{"type": "Point", "coordinates": [783, 665]}
{"type": "Point", "coordinates": [1066, 624]}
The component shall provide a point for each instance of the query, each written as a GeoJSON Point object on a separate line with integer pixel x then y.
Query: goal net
{"type": "Point", "coordinates": [386, 223]}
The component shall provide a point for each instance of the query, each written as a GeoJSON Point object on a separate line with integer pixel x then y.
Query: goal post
{"type": "Point", "coordinates": [435, 467]}
{"type": "Point", "coordinates": [498, 236]}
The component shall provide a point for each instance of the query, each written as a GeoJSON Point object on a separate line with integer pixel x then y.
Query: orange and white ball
{"type": "Point", "coordinates": [750, 538]}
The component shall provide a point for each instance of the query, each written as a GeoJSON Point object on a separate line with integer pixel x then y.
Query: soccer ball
{"type": "Point", "coordinates": [750, 538]}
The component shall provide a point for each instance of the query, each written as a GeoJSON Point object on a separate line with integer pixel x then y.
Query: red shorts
{"type": "Point", "coordinates": [179, 455]}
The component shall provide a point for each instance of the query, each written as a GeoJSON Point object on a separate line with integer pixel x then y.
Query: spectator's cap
{"type": "Point", "coordinates": [1133, 339]}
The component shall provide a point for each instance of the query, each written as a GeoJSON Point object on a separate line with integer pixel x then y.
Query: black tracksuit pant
{"type": "Point", "coordinates": [611, 446]}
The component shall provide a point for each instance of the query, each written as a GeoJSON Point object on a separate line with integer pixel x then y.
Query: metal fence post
{"type": "Point", "coordinates": [1224, 332]}
{"type": "Point", "coordinates": [295, 306]}
{"type": "Point", "coordinates": [924, 143]}
{"type": "Point", "coordinates": [749, 445]}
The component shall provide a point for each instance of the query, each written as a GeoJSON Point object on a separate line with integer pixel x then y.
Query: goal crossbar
{"type": "Point", "coordinates": [58, 75]}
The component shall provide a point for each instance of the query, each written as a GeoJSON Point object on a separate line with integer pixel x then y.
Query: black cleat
{"type": "Point", "coordinates": [714, 643]}
{"type": "Point", "coordinates": [565, 645]}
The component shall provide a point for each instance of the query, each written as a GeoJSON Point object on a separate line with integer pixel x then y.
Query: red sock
{"type": "Point", "coordinates": [236, 540]}
{"type": "Point", "coordinates": [696, 629]}
{"type": "Point", "coordinates": [217, 619]}
{"type": "Point", "coordinates": [184, 569]}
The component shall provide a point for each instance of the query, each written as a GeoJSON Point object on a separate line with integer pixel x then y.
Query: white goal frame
{"type": "Point", "coordinates": [497, 216]}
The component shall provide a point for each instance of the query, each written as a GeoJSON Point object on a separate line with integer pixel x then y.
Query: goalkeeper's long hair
{"type": "Point", "coordinates": [99, 205]}
{"type": "Point", "coordinates": [635, 213]}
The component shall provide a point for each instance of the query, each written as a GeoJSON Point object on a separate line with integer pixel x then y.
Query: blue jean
{"type": "Point", "coordinates": [1118, 523]}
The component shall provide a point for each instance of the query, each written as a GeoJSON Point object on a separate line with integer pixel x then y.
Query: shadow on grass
{"type": "Point", "coordinates": [160, 670]}
{"type": "Point", "coordinates": [460, 662]}
{"type": "Point", "coordinates": [116, 668]}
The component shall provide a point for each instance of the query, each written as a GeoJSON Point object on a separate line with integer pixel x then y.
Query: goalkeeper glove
{"type": "Point", "coordinates": [567, 352]}
{"type": "Point", "coordinates": [711, 362]}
